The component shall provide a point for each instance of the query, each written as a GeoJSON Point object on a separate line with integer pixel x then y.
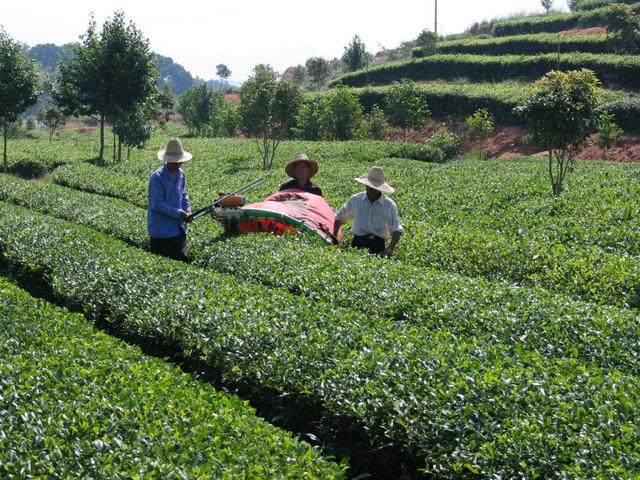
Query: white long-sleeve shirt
{"type": "Point", "coordinates": [378, 218]}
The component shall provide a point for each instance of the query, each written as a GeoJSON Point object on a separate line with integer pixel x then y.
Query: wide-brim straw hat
{"type": "Point", "coordinates": [375, 179]}
{"type": "Point", "coordinates": [174, 153]}
{"type": "Point", "coordinates": [290, 168]}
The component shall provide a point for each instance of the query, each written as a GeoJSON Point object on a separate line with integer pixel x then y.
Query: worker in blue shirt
{"type": "Point", "coordinates": [169, 208]}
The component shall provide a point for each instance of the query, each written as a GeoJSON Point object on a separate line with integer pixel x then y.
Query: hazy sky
{"type": "Point", "coordinates": [242, 33]}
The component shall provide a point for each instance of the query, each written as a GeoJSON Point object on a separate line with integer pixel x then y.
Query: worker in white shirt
{"type": "Point", "coordinates": [374, 215]}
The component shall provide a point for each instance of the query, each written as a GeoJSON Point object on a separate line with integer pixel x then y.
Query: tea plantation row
{"type": "Point", "coordinates": [385, 289]}
{"type": "Point", "coordinates": [77, 403]}
{"type": "Point", "coordinates": [533, 44]}
{"type": "Point", "coordinates": [621, 71]}
{"type": "Point", "coordinates": [504, 226]}
{"type": "Point", "coordinates": [461, 402]}
{"type": "Point", "coordinates": [554, 22]}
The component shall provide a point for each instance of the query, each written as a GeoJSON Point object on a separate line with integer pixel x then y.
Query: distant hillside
{"type": "Point", "coordinates": [179, 79]}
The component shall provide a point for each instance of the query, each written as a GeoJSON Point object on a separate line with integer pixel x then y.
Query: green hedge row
{"type": "Point", "coordinates": [460, 99]}
{"type": "Point", "coordinates": [627, 113]}
{"type": "Point", "coordinates": [557, 248]}
{"type": "Point", "coordinates": [251, 260]}
{"type": "Point", "coordinates": [520, 393]}
{"type": "Point", "coordinates": [554, 22]}
{"type": "Point", "coordinates": [534, 44]}
{"type": "Point", "coordinates": [612, 70]}
{"type": "Point", "coordinates": [99, 180]}
{"type": "Point", "coordinates": [77, 403]}
{"type": "Point", "coordinates": [463, 99]}
{"type": "Point", "coordinates": [586, 5]}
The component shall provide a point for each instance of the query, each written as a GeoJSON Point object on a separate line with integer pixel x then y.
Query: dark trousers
{"type": "Point", "coordinates": [174, 247]}
{"type": "Point", "coordinates": [373, 243]}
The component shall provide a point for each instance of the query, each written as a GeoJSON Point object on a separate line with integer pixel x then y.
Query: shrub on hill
{"type": "Point", "coordinates": [626, 113]}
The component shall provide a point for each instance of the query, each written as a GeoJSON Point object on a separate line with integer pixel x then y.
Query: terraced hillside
{"type": "Point", "coordinates": [463, 75]}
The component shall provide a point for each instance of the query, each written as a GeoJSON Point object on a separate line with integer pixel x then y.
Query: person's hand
{"type": "Point", "coordinates": [186, 216]}
{"type": "Point", "coordinates": [387, 252]}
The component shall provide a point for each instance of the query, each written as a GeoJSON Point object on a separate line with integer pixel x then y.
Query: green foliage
{"type": "Point", "coordinates": [268, 110]}
{"type": "Point", "coordinates": [406, 106]}
{"type": "Point", "coordinates": [166, 102]}
{"type": "Point", "coordinates": [533, 44]}
{"type": "Point", "coordinates": [481, 125]}
{"type": "Point", "coordinates": [201, 108]}
{"type": "Point", "coordinates": [554, 22]}
{"type": "Point", "coordinates": [319, 70]}
{"type": "Point", "coordinates": [624, 23]}
{"type": "Point", "coordinates": [111, 74]}
{"type": "Point", "coordinates": [134, 128]}
{"type": "Point", "coordinates": [340, 115]}
{"type": "Point", "coordinates": [626, 112]}
{"type": "Point", "coordinates": [559, 112]}
{"type": "Point", "coordinates": [299, 74]}
{"type": "Point", "coordinates": [53, 118]}
{"type": "Point", "coordinates": [355, 55]}
{"type": "Point", "coordinates": [441, 147]}
{"type": "Point", "coordinates": [308, 119]}
{"type": "Point", "coordinates": [223, 72]}
{"type": "Point", "coordinates": [494, 220]}
{"type": "Point", "coordinates": [427, 42]}
{"type": "Point", "coordinates": [230, 123]}
{"type": "Point", "coordinates": [608, 130]}
{"type": "Point", "coordinates": [376, 124]}
{"type": "Point", "coordinates": [547, 5]}
{"type": "Point", "coordinates": [618, 70]}
{"type": "Point", "coordinates": [585, 5]}
{"type": "Point", "coordinates": [78, 403]}
{"type": "Point", "coordinates": [19, 86]}
{"type": "Point", "coordinates": [488, 350]}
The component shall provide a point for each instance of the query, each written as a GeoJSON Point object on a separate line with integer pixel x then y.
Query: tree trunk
{"type": "Point", "coordinates": [50, 134]}
{"type": "Point", "coordinates": [114, 146]}
{"type": "Point", "coordinates": [557, 189]}
{"type": "Point", "coordinates": [119, 149]}
{"type": "Point", "coordinates": [101, 154]}
{"type": "Point", "coordinates": [4, 134]}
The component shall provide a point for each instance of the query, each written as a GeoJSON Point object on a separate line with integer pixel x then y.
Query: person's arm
{"type": "Point", "coordinates": [396, 228]}
{"type": "Point", "coordinates": [345, 213]}
{"type": "Point", "coordinates": [185, 203]}
{"type": "Point", "coordinates": [156, 199]}
{"type": "Point", "coordinates": [395, 238]}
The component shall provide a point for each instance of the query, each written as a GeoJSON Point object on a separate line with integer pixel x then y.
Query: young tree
{"type": "Point", "coordinates": [19, 87]}
{"type": "Point", "coordinates": [230, 119]}
{"type": "Point", "coordinates": [559, 112]}
{"type": "Point", "coordinates": [318, 69]}
{"type": "Point", "coordinates": [547, 4]}
{"type": "Point", "coordinates": [268, 110]}
{"type": "Point", "coordinates": [166, 101]}
{"type": "Point", "coordinates": [428, 41]}
{"type": "Point", "coordinates": [481, 125]}
{"type": "Point", "coordinates": [223, 73]}
{"type": "Point", "coordinates": [53, 118]}
{"type": "Point", "coordinates": [406, 106]}
{"type": "Point", "coordinates": [355, 55]}
{"type": "Point", "coordinates": [624, 24]}
{"type": "Point", "coordinates": [340, 115]}
{"type": "Point", "coordinates": [377, 124]}
{"type": "Point", "coordinates": [134, 128]}
{"type": "Point", "coordinates": [299, 73]}
{"type": "Point", "coordinates": [201, 109]}
{"type": "Point", "coordinates": [609, 131]}
{"type": "Point", "coordinates": [109, 75]}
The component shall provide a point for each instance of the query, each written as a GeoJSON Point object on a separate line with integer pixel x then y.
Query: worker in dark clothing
{"type": "Point", "coordinates": [301, 169]}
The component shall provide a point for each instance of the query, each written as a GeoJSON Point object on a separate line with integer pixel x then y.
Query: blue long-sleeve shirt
{"type": "Point", "coordinates": [167, 199]}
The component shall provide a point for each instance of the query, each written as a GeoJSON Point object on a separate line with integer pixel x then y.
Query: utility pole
{"type": "Point", "coordinates": [435, 22]}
